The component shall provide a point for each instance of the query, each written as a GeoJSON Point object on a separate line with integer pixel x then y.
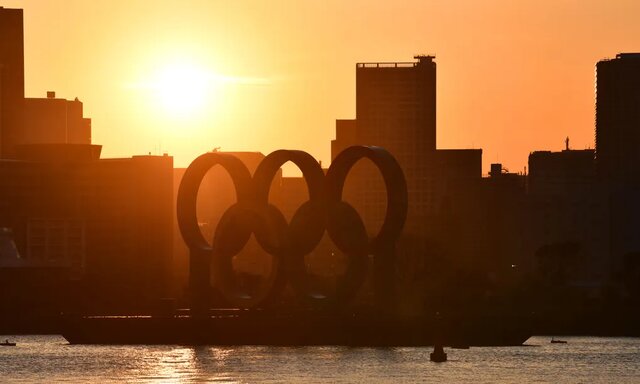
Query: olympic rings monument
{"type": "Point", "coordinates": [289, 242]}
{"type": "Point", "coordinates": [250, 317]}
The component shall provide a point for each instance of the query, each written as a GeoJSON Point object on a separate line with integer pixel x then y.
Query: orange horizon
{"type": "Point", "coordinates": [513, 77]}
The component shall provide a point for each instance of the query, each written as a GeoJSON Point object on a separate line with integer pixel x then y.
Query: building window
{"type": "Point", "coordinates": [58, 242]}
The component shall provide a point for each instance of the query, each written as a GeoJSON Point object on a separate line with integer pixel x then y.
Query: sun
{"type": "Point", "coordinates": [184, 89]}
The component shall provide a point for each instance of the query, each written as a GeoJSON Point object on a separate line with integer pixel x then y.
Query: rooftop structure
{"type": "Point", "coordinates": [422, 59]}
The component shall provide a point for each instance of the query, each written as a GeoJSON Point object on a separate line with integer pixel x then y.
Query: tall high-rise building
{"type": "Point", "coordinates": [395, 109]}
{"type": "Point", "coordinates": [618, 151]}
{"type": "Point", "coordinates": [11, 78]}
{"type": "Point", "coordinates": [618, 118]}
{"type": "Point", "coordinates": [106, 222]}
{"type": "Point", "coordinates": [446, 222]}
{"type": "Point", "coordinates": [396, 104]}
{"type": "Point", "coordinates": [23, 121]}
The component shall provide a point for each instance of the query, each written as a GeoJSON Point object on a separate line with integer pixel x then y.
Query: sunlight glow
{"type": "Point", "coordinates": [187, 91]}
{"type": "Point", "coordinates": [184, 90]}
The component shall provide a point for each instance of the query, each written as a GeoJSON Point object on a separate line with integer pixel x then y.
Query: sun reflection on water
{"type": "Point", "coordinates": [51, 359]}
{"type": "Point", "coordinates": [180, 364]}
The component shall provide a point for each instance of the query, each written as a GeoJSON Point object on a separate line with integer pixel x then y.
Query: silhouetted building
{"type": "Point", "coordinates": [11, 79]}
{"type": "Point", "coordinates": [618, 118]}
{"type": "Point", "coordinates": [346, 136]}
{"type": "Point", "coordinates": [618, 150]}
{"type": "Point", "coordinates": [129, 202]}
{"type": "Point", "coordinates": [32, 120]}
{"type": "Point", "coordinates": [52, 120]}
{"type": "Point", "coordinates": [567, 205]}
{"type": "Point", "coordinates": [503, 202]}
{"type": "Point", "coordinates": [561, 173]}
{"type": "Point", "coordinates": [106, 222]}
{"type": "Point", "coordinates": [396, 104]}
{"type": "Point", "coordinates": [445, 229]}
{"type": "Point", "coordinates": [395, 109]}
{"type": "Point", "coordinates": [457, 224]}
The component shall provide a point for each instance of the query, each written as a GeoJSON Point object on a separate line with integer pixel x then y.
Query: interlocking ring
{"type": "Point", "coordinates": [288, 243]}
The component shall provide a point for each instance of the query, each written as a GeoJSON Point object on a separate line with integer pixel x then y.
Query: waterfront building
{"type": "Point", "coordinates": [395, 109]}
{"type": "Point", "coordinates": [445, 229]}
{"type": "Point", "coordinates": [618, 151]}
{"type": "Point", "coordinates": [618, 118]}
{"type": "Point", "coordinates": [567, 206]}
{"type": "Point", "coordinates": [107, 222]}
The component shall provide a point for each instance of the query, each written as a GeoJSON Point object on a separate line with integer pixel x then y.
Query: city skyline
{"type": "Point", "coordinates": [509, 82]}
{"type": "Point", "coordinates": [403, 239]}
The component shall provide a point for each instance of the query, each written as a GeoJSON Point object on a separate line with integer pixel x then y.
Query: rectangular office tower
{"type": "Point", "coordinates": [396, 110]}
{"type": "Point", "coordinates": [618, 118]}
{"type": "Point", "coordinates": [396, 105]}
{"type": "Point", "coordinates": [11, 78]}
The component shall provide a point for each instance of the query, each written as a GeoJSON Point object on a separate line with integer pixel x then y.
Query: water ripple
{"type": "Point", "coordinates": [583, 359]}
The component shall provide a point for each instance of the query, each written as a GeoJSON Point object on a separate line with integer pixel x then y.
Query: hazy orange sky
{"type": "Point", "coordinates": [513, 76]}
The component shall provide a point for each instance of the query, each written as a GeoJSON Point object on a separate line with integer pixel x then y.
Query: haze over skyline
{"type": "Point", "coordinates": [513, 77]}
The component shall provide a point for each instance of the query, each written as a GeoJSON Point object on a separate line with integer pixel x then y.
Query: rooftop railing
{"type": "Point", "coordinates": [386, 65]}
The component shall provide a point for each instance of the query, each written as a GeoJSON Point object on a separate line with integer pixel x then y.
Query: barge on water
{"type": "Point", "coordinates": [237, 327]}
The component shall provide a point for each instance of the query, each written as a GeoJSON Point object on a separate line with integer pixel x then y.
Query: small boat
{"type": "Point", "coordinates": [6, 343]}
{"type": "Point", "coordinates": [557, 341]}
{"type": "Point", "coordinates": [438, 355]}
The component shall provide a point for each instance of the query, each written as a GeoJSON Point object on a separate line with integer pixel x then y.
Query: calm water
{"type": "Point", "coordinates": [582, 360]}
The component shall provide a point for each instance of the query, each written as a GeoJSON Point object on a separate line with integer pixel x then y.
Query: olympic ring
{"type": "Point", "coordinates": [288, 243]}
